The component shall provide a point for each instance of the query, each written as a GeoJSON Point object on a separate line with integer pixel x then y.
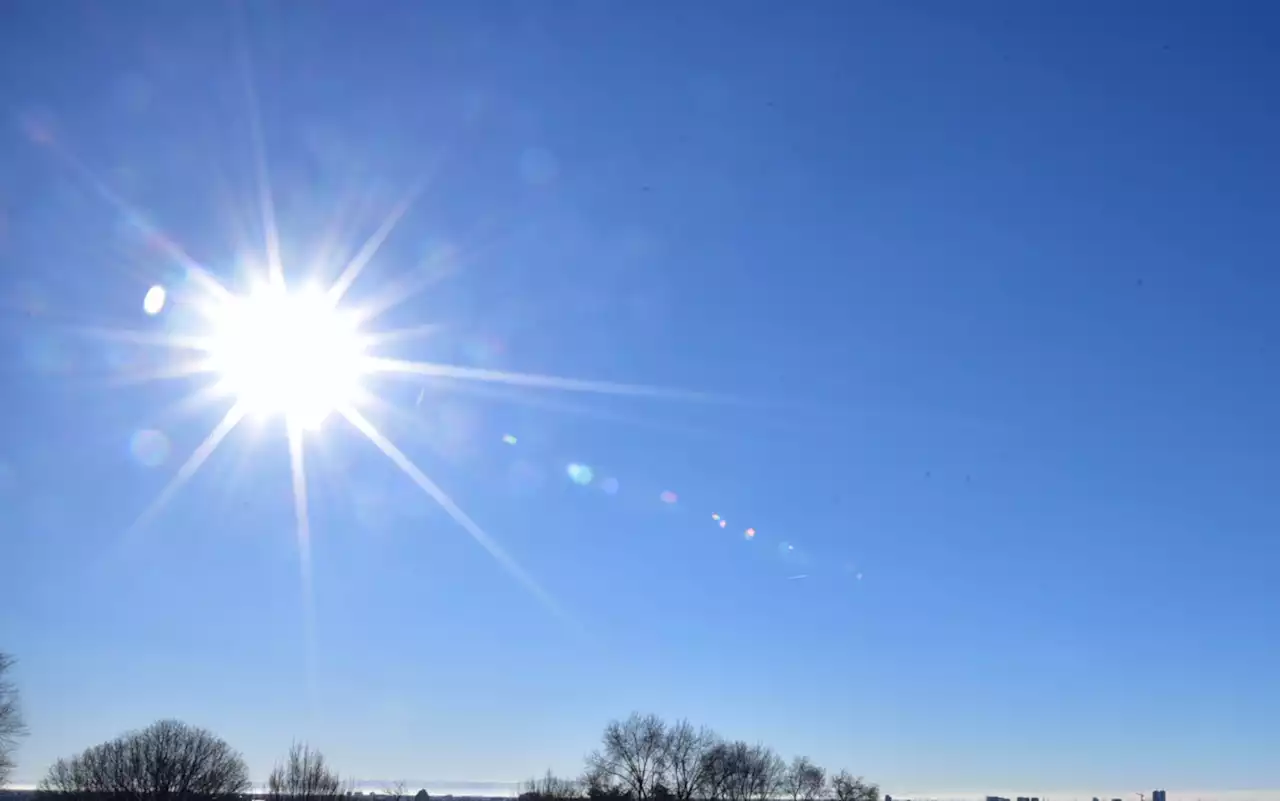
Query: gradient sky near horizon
{"type": "Point", "coordinates": [995, 281]}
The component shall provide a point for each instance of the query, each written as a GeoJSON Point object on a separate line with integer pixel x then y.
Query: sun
{"type": "Point", "coordinates": [300, 354]}
{"type": "Point", "coordinates": [291, 354]}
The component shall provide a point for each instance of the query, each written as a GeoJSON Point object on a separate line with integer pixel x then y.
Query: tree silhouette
{"type": "Point", "coordinates": [683, 758]}
{"type": "Point", "coordinates": [717, 771]}
{"type": "Point", "coordinates": [631, 754]}
{"type": "Point", "coordinates": [641, 758]}
{"type": "Point", "coordinates": [11, 725]}
{"type": "Point", "coordinates": [550, 788]}
{"type": "Point", "coordinates": [167, 760]}
{"type": "Point", "coordinates": [847, 787]}
{"type": "Point", "coordinates": [804, 781]}
{"type": "Point", "coordinates": [601, 786]}
{"type": "Point", "coordinates": [395, 791]}
{"type": "Point", "coordinates": [304, 776]}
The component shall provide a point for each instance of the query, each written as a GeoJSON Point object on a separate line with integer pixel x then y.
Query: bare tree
{"type": "Point", "coordinates": [303, 777]}
{"type": "Point", "coordinates": [765, 773]}
{"type": "Point", "coordinates": [847, 787]}
{"type": "Point", "coordinates": [601, 786]}
{"type": "Point", "coordinates": [644, 759]}
{"type": "Point", "coordinates": [631, 754]}
{"type": "Point", "coordinates": [737, 771]}
{"type": "Point", "coordinates": [550, 788]}
{"type": "Point", "coordinates": [683, 758]}
{"type": "Point", "coordinates": [717, 771]}
{"type": "Point", "coordinates": [804, 781]}
{"type": "Point", "coordinates": [168, 760]}
{"type": "Point", "coordinates": [12, 728]}
{"type": "Point", "coordinates": [394, 791]}
{"type": "Point", "coordinates": [726, 774]}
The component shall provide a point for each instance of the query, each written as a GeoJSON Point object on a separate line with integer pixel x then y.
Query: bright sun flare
{"type": "Point", "coordinates": [301, 356]}
{"type": "Point", "coordinates": [287, 353]}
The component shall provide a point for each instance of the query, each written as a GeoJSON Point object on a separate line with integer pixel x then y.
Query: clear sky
{"type": "Point", "coordinates": [992, 288]}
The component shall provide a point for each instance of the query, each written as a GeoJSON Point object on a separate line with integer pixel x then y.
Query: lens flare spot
{"type": "Point", "coordinates": [153, 301]}
{"type": "Point", "coordinates": [749, 534]}
{"type": "Point", "coordinates": [724, 523]}
{"type": "Point", "coordinates": [149, 447]}
{"type": "Point", "coordinates": [580, 474]}
{"type": "Point", "coordinates": [668, 496]}
{"type": "Point", "coordinates": [610, 486]}
{"type": "Point", "coordinates": [509, 439]}
{"type": "Point", "coordinates": [715, 517]}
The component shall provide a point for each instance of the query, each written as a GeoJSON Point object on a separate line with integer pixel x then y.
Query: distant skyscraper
{"type": "Point", "coordinates": [1157, 795]}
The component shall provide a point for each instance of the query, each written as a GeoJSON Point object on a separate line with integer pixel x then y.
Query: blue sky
{"type": "Point", "coordinates": [992, 286]}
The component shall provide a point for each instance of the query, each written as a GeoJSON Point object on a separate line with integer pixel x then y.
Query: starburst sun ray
{"type": "Point", "coordinates": [362, 424]}
{"type": "Point", "coordinates": [370, 248]}
{"type": "Point", "coordinates": [298, 475]}
{"type": "Point", "coordinates": [266, 199]}
{"type": "Point", "coordinates": [158, 338]}
{"type": "Point", "coordinates": [183, 369]}
{"type": "Point", "coordinates": [533, 380]}
{"type": "Point", "coordinates": [197, 458]}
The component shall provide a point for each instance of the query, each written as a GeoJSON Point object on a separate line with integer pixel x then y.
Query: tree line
{"type": "Point", "coordinates": [645, 758]}
{"type": "Point", "coordinates": [174, 761]}
{"type": "Point", "coordinates": [641, 758]}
